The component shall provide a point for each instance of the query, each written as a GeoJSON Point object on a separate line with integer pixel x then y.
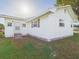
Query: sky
{"type": "Point", "coordinates": [25, 8]}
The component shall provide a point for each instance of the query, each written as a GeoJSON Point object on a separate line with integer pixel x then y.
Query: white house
{"type": "Point", "coordinates": [13, 25]}
{"type": "Point", "coordinates": [53, 23]}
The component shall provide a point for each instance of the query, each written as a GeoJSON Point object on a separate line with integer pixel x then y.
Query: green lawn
{"type": "Point", "coordinates": [30, 48]}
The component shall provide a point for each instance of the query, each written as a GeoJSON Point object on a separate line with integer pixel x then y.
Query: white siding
{"type": "Point", "coordinates": [9, 30]}
{"type": "Point", "coordinates": [2, 21]}
{"type": "Point", "coordinates": [17, 24]}
{"type": "Point", "coordinates": [23, 30]}
{"type": "Point", "coordinates": [44, 30]}
{"type": "Point", "coordinates": [49, 26]}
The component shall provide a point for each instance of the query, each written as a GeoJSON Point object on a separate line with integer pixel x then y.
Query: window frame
{"type": "Point", "coordinates": [35, 24]}
{"type": "Point", "coordinates": [9, 24]}
{"type": "Point", "coordinates": [17, 27]}
{"type": "Point", "coordinates": [61, 23]}
{"type": "Point", "coordinates": [23, 25]}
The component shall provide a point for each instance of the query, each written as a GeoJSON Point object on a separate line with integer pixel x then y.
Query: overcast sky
{"type": "Point", "coordinates": [24, 8]}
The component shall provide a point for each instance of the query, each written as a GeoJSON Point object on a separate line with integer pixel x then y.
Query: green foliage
{"type": "Point", "coordinates": [66, 2]}
{"type": "Point", "coordinates": [1, 34]}
{"type": "Point", "coordinates": [47, 52]}
{"type": "Point", "coordinates": [35, 53]}
{"type": "Point", "coordinates": [68, 48]}
{"type": "Point", "coordinates": [1, 26]}
{"type": "Point", "coordinates": [73, 3]}
{"type": "Point", "coordinates": [29, 51]}
{"type": "Point", "coordinates": [1, 30]}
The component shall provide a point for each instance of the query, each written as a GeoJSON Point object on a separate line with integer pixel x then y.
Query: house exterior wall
{"type": "Point", "coordinates": [49, 26]}
{"type": "Point", "coordinates": [59, 32]}
{"type": "Point", "coordinates": [2, 21]}
{"type": "Point", "coordinates": [68, 29]}
{"type": "Point", "coordinates": [17, 24]}
{"type": "Point", "coordinates": [9, 30]}
{"type": "Point", "coordinates": [43, 31]}
{"type": "Point", "coordinates": [22, 30]}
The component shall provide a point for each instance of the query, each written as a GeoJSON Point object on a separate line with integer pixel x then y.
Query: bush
{"type": "Point", "coordinates": [1, 26]}
{"type": "Point", "coordinates": [1, 30]}
{"type": "Point", "coordinates": [1, 34]}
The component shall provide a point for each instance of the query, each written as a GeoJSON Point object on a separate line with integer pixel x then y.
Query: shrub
{"type": "Point", "coordinates": [1, 30]}
{"type": "Point", "coordinates": [1, 34]}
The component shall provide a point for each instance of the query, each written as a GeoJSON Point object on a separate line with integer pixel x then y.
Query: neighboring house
{"type": "Point", "coordinates": [13, 25]}
{"type": "Point", "coordinates": [54, 23]}
{"type": "Point", "coordinates": [76, 26]}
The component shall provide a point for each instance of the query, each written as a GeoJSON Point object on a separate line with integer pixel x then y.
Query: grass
{"type": "Point", "coordinates": [31, 48]}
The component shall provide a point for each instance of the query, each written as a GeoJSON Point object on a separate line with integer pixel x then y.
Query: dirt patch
{"type": "Point", "coordinates": [20, 42]}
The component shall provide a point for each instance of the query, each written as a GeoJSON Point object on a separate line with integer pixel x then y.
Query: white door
{"type": "Point", "coordinates": [17, 30]}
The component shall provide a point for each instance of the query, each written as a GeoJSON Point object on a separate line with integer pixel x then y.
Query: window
{"type": "Point", "coordinates": [64, 10]}
{"type": "Point", "coordinates": [61, 23]}
{"type": "Point", "coordinates": [36, 23]}
{"type": "Point", "coordinates": [24, 25]}
{"type": "Point", "coordinates": [9, 24]}
{"type": "Point", "coordinates": [17, 28]}
{"type": "Point", "coordinates": [71, 25]}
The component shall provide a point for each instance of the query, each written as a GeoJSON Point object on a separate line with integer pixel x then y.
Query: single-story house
{"type": "Point", "coordinates": [51, 24]}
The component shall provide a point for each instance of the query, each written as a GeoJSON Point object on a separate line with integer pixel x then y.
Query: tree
{"type": "Point", "coordinates": [73, 3]}
{"type": "Point", "coordinates": [2, 30]}
{"type": "Point", "coordinates": [1, 26]}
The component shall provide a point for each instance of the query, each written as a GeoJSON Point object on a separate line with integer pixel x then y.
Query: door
{"type": "Point", "coordinates": [17, 29]}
